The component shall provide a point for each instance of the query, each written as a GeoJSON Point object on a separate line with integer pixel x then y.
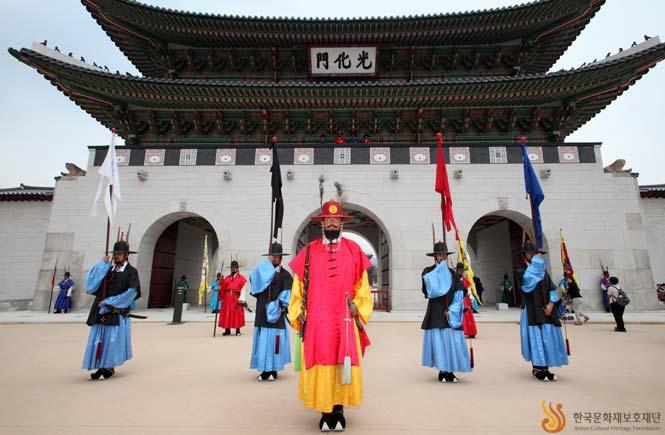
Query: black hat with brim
{"type": "Point", "coordinates": [276, 250]}
{"type": "Point", "coordinates": [121, 247]}
{"type": "Point", "coordinates": [439, 249]}
{"type": "Point", "coordinates": [531, 247]}
{"type": "Point", "coordinates": [234, 263]}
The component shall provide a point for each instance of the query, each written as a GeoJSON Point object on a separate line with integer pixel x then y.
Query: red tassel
{"type": "Point", "coordinates": [277, 344]}
{"type": "Point", "coordinates": [98, 353]}
{"type": "Point", "coordinates": [567, 347]}
{"type": "Point", "coordinates": [471, 357]}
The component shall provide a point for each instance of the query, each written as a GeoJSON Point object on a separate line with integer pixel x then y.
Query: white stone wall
{"type": "Point", "coordinates": [22, 236]}
{"type": "Point", "coordinates": [600, 213]}
{"type": "Point", "coordinates": [653, 221]}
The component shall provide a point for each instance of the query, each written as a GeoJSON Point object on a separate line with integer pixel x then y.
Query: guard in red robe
{"type": "Point", "coordinates": [468, 321]}
{"type": "Point", "coordinates": [232, 314]}
{"type": "Point", "coordinates": [330, 305]}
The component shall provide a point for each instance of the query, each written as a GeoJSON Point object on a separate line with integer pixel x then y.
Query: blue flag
{"type": "Point", "coordinates": [536, 195]}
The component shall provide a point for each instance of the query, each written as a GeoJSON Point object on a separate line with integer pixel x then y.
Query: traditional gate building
{"type": "Point", "coordinates": [358, 101]}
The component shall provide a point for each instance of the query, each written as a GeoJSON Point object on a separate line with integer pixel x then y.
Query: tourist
{"type": "Point", "coordinates": [115, 285]}
{"type": "Point", "coordinates": [604, 285]}
{"type": "Point", "coordinates": [506, 291]}
{"type": "Point", "coordinates": [330, 305]}
{"type": "Point", "coordinates": [232, 314]}
{"type": "Point", "coordinates": [576, 300]}
{"type": "Point", "coordinates": [339, 140]}
{"type": "Point", "coordinates": [271, 286]}
{"type": "Point", "coordinates": [540, 327]}
{"type": "Point", "coordinates": [444, 347]}
{"type": "Point", "coordinates": [64, 300]}
{"type": "Point", "coordinates": [182, 286]}
{"type": "Point", "coordinates": [617, 306]}
{"type": "Point", "coordinates": [214, 297]}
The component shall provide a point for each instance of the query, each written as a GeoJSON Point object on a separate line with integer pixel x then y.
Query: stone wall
{"type": "Point", "coordinates": [22, 238]}
{"type": "Point", "coordinates": [577, 198]}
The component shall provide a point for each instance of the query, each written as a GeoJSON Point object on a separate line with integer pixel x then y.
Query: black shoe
{"type": "Point", "coordinates": [327, 422]}
{"type": "Point", "coordinates": [540, 374]}
{"type": "Point", "coordinates": [96, 375]}
{"type": "Point", "coordinates": [339, 422]}
{"type": "Point", "coordinates": [237, 331]}
{"type": "Point", "coordinates": [264, 376]}
{"type": "Point", "coordinates": [107, 373]}
{"type": "Point", "coordinates": [272, 376]}
{"type": "Point", "coordinates": [450, 378]}
{"type": "Point", "coordinates": [227, 332]}
{"type": "Point", "coordinates": [551, 377]}
{"type": "Point", "coordinates": [620, 330]}
{"type": "Point", "coordinates": [57, 312]}
{"type": "Point", "coordinates": [442, 376]}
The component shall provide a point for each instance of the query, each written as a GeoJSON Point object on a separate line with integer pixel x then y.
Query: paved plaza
{"type": "Point", "coordinates": [182, 381]}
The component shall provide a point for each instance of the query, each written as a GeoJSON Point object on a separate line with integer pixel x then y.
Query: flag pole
{"type": "Point", "coordinates": [533, 215]}
{"type": "Point", "coordinates": [272, 200]}
{"type": "Point", "coordinates": [50, 301]}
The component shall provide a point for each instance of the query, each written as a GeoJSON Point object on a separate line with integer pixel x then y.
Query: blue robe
{"type": "Point", "coordinates": [116, 340]}
{"type": "Point", "coordinates": [270, 321]}
{"type": "Point", "coordinates": [64, 302]}
{"type": "Point", "coordinates": [444, 347]}
{"type": "Point", "coordinates": [214, 298]}
{"type": "Point", "coordinates": [542, 345]}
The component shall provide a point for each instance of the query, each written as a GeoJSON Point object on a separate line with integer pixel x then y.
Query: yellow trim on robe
{"type": "Point", "coordinates": [320, 386]}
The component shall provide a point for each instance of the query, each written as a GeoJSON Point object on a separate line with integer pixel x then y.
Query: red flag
{"type": "Point", "coordinates": [441, 185]}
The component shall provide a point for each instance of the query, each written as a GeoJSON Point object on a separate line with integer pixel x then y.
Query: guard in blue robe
{"type": "Point", "coordinates": [110, 341]}
{"type": "Point", "coordinates": [540, 328]}
{"type": "Point", "coordinates": [444, 346]}
{"type": "Point", "coordinates": [214, 297]}
{"type": "Point", "coordinates": [271, 286]}
{"type": "Point", "coordinates": [64, 300]}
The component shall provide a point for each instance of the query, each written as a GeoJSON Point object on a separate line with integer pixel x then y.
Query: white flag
{"type": "Point", "coordinates": [109, 174]}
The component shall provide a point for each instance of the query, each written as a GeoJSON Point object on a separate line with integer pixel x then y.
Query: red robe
{"type": "Point", "coordinates": [468, 322]}
{"type": "Point", "coordinates": [331, 276]}
{"type": "Point", "coordinates": [232, 314]}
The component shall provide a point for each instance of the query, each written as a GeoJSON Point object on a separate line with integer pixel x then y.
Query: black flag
{"type": "Point", "coordinates": [276, 183]}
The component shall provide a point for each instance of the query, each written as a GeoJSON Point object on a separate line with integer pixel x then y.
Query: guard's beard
{"type": "Point", "coordinates": [331, 235]}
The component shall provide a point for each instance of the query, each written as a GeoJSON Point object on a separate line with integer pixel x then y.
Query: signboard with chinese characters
{"type": "Point", "coordinates": [342, 61]}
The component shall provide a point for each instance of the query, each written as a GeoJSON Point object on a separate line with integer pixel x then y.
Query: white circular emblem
{"type": "Point", "coordinates": [533, 157]}
{"type": "Point", "coordinates": [264, 158]}
{"type": "Point", "coordinates": [120, 159]}
{"type": "Point", "coordinates": [304, 158]}
{"type": "Point", "coordinates": [154, 159]}
{"type": "Point", "coordinates": [419, 157]}
{"type": "Point", "coordinates": [225, 158]}
{"type": "Point", "coordinates": [568, 156]}
{"type": "Point", "coordinates": [380, 157]}
{"type": "Point", "coordinates": [460, 157]}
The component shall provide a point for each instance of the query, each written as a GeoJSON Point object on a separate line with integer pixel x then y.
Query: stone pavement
{"type": "Point", "coordinates": [183, 381]}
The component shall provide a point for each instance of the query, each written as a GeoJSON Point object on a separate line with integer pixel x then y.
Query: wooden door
{"type": "Point", "coordinates": [163, 264]}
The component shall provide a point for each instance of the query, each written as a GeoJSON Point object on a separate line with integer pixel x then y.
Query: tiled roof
{"type": "Point", "coordinates": [653, 191]}
{"type": "Point", "coordinates": [26, 193]}
{"type": "Point", "coordinates": [144, 32]}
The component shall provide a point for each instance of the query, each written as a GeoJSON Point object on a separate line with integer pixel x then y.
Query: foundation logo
{"type": "Point", "coordinates": [555, 419]}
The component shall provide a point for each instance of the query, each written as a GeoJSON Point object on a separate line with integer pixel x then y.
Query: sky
{"type": "Point", "coordinates": [42, 129]}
